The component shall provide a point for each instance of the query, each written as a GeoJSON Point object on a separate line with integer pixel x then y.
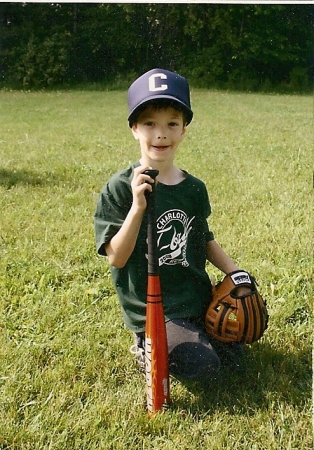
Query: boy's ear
{"type": "Point", "coordinates": [134, 131]}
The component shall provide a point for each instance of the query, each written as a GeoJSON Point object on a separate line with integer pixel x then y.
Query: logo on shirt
{"type": "Point", "coordinates": [173, 228]}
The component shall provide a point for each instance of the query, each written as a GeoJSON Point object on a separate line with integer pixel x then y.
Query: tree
{"type": "Point", "coordinates": [222, 45]}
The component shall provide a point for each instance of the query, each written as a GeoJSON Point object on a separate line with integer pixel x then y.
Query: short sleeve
{"type": "Point", "coordinates": [114, 203]}
{"type": "Point", "coordinates": [209, 235]}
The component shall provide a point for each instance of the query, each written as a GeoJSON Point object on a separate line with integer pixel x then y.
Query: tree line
{"type": "Point", "coordinates": [240, 46]}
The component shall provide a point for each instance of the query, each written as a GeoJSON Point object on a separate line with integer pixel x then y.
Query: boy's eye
{"type": "Point", "coordinates": [149, 123]}
{"type": "Point", "coordinates": [173, 124]}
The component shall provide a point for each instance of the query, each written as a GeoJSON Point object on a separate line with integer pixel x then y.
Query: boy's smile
{"type": "Point", "coordinates": [159, 132]}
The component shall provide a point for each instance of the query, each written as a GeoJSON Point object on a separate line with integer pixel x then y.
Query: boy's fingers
{"type": "Point", "coordinates": [141, 177]}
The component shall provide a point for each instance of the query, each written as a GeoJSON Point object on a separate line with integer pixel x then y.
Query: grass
{"type": "Point", "coordinates": [67, 380]}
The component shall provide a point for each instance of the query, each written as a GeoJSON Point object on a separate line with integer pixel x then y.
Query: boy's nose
{"type": "Point", "coordinates": [161, 134]}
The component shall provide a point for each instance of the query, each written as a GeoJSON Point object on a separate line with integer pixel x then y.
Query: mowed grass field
{"type": "Point", "coordinates": [67, 379]}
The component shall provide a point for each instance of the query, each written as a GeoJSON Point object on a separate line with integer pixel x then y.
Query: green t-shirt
{"type": "Point", "coordinates": [181, 211]}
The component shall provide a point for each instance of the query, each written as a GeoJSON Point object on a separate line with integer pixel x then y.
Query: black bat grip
{"type": "Point", "coordinates": [152, 254]}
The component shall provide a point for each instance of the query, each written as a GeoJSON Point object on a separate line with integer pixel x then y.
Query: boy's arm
{"type": "Point", "coordinates": [122, 244]}
{"type": "Point", "coordinates": [219, 258]}
{"type": "Point", "coordinates": [120, 247]}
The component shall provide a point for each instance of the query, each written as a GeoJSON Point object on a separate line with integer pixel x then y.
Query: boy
{"type": "Point", "coordinates": [160, 112]}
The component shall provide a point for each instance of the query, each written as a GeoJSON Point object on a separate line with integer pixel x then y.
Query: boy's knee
{"type": "Point", "coordinates": [194, 361]}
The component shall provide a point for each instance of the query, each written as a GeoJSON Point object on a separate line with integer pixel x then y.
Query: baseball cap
{"type": "Point", "coordinates": [159, 84]}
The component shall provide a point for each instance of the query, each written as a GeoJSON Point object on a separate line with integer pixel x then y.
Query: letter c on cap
{"type": "Point", "coordinates": [152, 82]}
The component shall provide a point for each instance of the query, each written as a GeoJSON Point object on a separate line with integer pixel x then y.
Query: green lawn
{"type": "Point", "coordinates": [67, 379]}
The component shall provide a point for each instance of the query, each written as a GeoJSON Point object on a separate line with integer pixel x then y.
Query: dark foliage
{"type": "Point", "coordinates": [215, 45]}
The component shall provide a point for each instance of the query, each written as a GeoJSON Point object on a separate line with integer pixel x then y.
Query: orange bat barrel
{"type": "Point", "coordinates": [156, 347]}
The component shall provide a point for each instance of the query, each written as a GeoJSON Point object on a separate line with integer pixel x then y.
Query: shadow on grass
{"type": "Point", "coordinates": [11, 178]}
{"type": "Point", "coordinates": [263, 376]}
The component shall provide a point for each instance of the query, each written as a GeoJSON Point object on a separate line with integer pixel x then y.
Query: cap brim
{"type": "Point", "coordinates": [188, 112]}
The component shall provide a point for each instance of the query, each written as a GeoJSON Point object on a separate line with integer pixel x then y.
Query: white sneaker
{"type": "Point", "coordinates": [138, 350]}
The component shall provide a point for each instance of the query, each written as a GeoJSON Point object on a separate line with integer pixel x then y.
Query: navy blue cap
{"type": "Point", "coordinates": [157, 84]}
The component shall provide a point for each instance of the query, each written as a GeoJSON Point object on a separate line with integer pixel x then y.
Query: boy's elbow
{"type": "Point", "coordinates": [116, 262]}
{"type": "Point", "coordinates": [116, 258]}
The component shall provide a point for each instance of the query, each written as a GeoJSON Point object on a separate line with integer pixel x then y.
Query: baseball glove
{"type": "Point", "coordinates": [231, 317]}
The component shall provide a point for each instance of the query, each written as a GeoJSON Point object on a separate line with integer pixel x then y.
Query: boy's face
{"type": "Point", "coordinates": [159, 132]}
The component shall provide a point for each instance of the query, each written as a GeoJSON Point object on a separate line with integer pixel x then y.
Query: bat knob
{"type": "Point", "coordinates": [152, 173]}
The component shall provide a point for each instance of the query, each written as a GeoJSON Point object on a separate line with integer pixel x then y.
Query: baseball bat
{"type": "Point", "coordinates": [156, 347]}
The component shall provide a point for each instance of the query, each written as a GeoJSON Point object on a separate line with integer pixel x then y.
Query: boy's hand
{"type": "Point", "coordinates": [140, 184]}
{"type": "Point", "coordinates": [242, 291]}
{"type": "Point", "coordinates": [237, 312]}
